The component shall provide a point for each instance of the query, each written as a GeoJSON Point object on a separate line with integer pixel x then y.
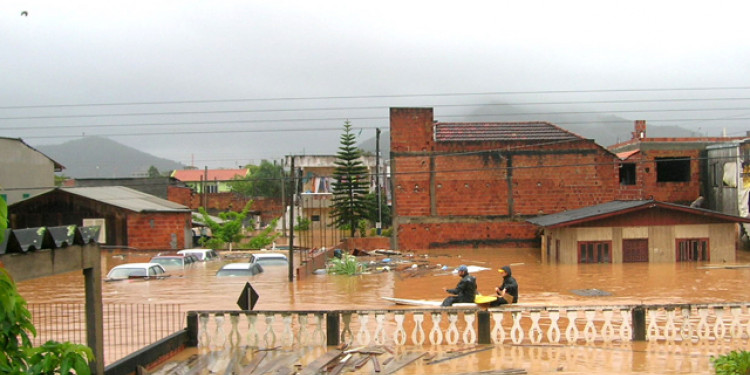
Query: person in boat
{"type": "Point", "coordinates": [507, 292]}
{"type": "Point", "coordinates": [464, 291]}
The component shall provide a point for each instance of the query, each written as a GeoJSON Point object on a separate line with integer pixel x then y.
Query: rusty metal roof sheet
{"type": "Point", "coordinates": [127, 198]}
{"type": "Point", "coordinates": [501, 131]}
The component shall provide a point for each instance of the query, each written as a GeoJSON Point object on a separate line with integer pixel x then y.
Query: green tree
{"type": "Point", "coordinates": [265, 237]}
{"type": "Point", "coordinates": [385, 210]}
{"type": "Point", "coordinates": [60, 179]}
{"type": "Point", "coordinates": [228, 231]}
{"type": "Point", "coordinates": [18, 355]}
{"type": "Point", "coordinates": [264, 180]}
{"type": "Point", "coordinates": [153, 172]}
{"type": "Point", "coordinates": [351, 184]}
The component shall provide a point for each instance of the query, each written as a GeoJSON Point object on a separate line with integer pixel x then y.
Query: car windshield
{"type": "Point", "coordinates": [124, 273]}
{"type": "Point", "coordinates": [168, 262]}
{"type": "Point", "coordinates": [272, 261]}
{"type": "Point", "coordinates": [236, 272]}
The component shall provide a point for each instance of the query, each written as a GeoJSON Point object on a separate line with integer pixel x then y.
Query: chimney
{"type": "Point", "coordinates": [640, 129]}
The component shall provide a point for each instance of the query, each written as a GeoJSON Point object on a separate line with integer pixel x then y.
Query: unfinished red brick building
{"type": "Point", "coordinates": [469, 185]}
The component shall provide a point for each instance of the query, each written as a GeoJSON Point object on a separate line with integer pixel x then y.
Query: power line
{"type": "Point", "coordinates": [382, 96]}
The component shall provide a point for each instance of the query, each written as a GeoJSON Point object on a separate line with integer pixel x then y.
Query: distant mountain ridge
{"type": "Point", "coordinates": [99, 157]}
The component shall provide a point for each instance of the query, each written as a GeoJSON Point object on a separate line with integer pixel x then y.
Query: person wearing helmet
{"type": "Point", "coordinates": [464, 291]}
{"type": "Point", "coordinates": [507, 292]}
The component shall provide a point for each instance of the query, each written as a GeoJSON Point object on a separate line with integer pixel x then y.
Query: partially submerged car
{"type": "Point", "coordinates": [239, 269]}
{"type": "Point", "coordinates": [174, 261]}
{"type": "Point", "coordinates": [137, 271]}
{"type": "Point", "coordinates": [269, 259]}
{"type": "Point", "coordinates": [203, 255]}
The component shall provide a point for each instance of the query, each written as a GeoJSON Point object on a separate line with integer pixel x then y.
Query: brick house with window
{"type": "Point", "coordinates": [664, 169]}
{"type": "Point", "coordinates": [638, 231]}
{"type": "Point", "coordinates": [473, 184]}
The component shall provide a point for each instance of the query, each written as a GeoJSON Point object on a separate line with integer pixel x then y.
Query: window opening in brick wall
{"type": "Point", "coordinates": [315, 218]}
{"type": "Point", "coordinates": [627, 174]}
{"type": "Point", "coordinates": [673, 169]}
{"type": "Point", "coordinates": [594, 252]}
{"type": "Point", "coordinates": [212, 189]}
{"type": "Point", "coordinates": [692, 250]}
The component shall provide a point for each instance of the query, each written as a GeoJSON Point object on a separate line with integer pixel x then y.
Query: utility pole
{"type": "Point", "coordinates": [291, 224]}
{"type": "Point", "coordinates": [379, 224]}
{"type": "Point", "coordinates": [283, 201]}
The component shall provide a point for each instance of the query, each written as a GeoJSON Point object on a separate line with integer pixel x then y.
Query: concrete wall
{"type": "Point", "coordinates": [24, 172]}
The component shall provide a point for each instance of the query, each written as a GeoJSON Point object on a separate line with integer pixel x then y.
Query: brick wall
{"type": "Point", "coordinates": [154, 231]}
{"type": "Point", "coordinates": [478, 194]}
{"type": "Point", "coordinates": [269, 208]}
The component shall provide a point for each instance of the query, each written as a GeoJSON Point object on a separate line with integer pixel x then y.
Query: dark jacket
{"type": "Point", "coordinates": [509, 284]}
{"type": "Point", "coordinates": [466, 289]}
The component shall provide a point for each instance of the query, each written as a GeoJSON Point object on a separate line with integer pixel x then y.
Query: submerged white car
{"type": "Point", "coordinates": [269, 259]}
{"type": "Point", "coordinates": [137, 270]}
{"type": "Point", "coordinates": [203, 255]}
{"type": "Point", "coordinates": [240, 269]}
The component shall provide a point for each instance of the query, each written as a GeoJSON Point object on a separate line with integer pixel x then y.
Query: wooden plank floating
{"type": "Point", "coordinates": [402, 362]}
{"type": "Point", "coordinates": [253, 364]}
{"type": "Point", "coordinates": [321, 362]}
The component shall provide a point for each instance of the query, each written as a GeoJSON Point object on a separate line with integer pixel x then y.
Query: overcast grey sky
{"type": "Point", "coordinates": [226, 83]}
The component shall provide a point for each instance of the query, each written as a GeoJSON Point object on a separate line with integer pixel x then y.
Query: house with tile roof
{"type": "Point", "coordinates": [209, 180]}
{"type": "Point", "coordinates": [639, 231]}
{"type": "Point", "coordinates": [473, 185]}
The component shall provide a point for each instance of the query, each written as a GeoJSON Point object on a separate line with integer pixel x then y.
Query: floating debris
{"type": "Point", "coordinates": [590, 292]}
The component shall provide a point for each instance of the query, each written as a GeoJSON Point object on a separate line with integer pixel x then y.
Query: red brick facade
{"type": "Point", "coordinates": [478, 193]}
{"type": "Point", "coordinates": [268, 209]}
{"type": "Point", "coordinates": [159, 231]}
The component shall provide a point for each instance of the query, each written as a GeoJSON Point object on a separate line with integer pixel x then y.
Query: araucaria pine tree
{"type": "Point", "coordinates": [351, 183]}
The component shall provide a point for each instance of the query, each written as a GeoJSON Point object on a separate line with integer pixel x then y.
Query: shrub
{"type": "Point", "coordinates": [733, 363]}
{"type": "Point", "coordinates": [347, 265]}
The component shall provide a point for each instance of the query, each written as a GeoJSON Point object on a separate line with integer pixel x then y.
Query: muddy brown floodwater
{"type": "Point", "coordinates": [198, 289]}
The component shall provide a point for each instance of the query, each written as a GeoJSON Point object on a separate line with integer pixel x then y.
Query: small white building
{"type": "Point", "coordinates": [24, 171]}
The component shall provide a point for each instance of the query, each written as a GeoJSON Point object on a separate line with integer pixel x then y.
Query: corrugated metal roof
{"type": "Point", "coordinates": [127, 198]}
{"type": "Point", "coordinates": [187, 175]}
{"type": "Point", "coordinates": [501, 131]}
{"type": "Point", "coordinates": [619, 207]}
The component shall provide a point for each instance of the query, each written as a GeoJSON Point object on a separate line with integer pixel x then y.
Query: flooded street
{"type": "Point", "coordinates": [421, 276]}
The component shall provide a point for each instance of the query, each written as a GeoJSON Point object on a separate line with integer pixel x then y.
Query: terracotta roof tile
{"type": "Point", "coordinates": [501, 131]}
{"type": "Point", "coordinates": [213, 174]}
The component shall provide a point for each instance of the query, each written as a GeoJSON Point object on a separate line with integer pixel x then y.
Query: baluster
{"type": "Point", "coordinates": [269, 336]}
{"type": "Point", "coordinates": [686, 331]}
{"type": "Point", "coordinates": [399, 335]}
{"type": "Point", "coordinates": [608, 329]}
{"type": "Point", "coordinates": [652, 332]}
{"type": "Point", "coordinates": [703, 328]}
{"type": "Point", "coordinates": [318, 334]}
{"type": "Point", "coordinates": [670, 328]}
{"type": "Point", "coordinates": [287, 337]}
{"type": "Point", "coordinates": [436, 334]}
{"type": "Point", "coordinates": [205, 337]}
{"type": "Point", "coordinates": [626, 330]}
{"type": "Point", "coordinates": [571, 332]}
{"type": "Point", "coordinates": [470, 334]}
{"type": "Point", "coordinates": [302, 334]}
{"type": "Point", "coordinates": [535, 332]}
{"type": "Point", "coordinates": [380, 328]}
{"type": "Point", "coordinates": [498, 329]}
{"type": "Point", "coordinates": [234, 333]}
{"type": "Point", "coordinates": [418, 335]}
{"type": "Point", "coordinates": [589, 331]}
{"type": "Point", "coordinates": [221, 337]}
{"type": "Point", "coordinates": [363, 335]}
{"type": "Point", "coordinates": [719, 325]}
{"type": "Point", "coordinates": [347, 330]}
{"type": "Point", "coordinates": [516, 333]}
{"type": "Point", "coordinates": [253, 340]}
{"type": "Point", "coordinates": [553, 332]}
{"type": "Point", "coordinates": [735, 330]}
{"type": "Point", "coordinates": [452, 333]}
